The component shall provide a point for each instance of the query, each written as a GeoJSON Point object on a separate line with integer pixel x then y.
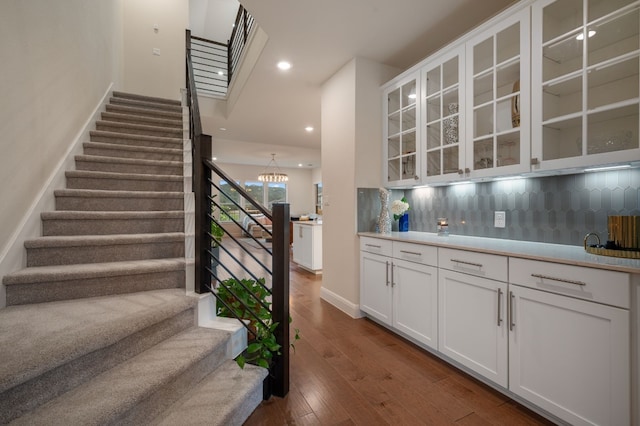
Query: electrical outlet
{"type": "Point", "coordinates": [156, 51]}
{"type": "Point", "coordinates": [500, 220]}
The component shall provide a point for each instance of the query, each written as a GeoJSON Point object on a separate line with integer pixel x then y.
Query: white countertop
{"type": "Point", "coordinates": [308, 222]}
{"type": "Point", "coordinates": [570, 255]}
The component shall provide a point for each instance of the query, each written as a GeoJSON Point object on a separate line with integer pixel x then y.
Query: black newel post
{"type": "Point", "coordinates": [280, 297]}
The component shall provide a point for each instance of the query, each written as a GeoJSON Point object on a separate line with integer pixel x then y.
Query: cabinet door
{"type": "Point", "coordinates": [570, 357]}
{"type": "Point", "coordinates": [498, 98]}
{"type": "Point", "coordinates": [302, 245]}
{"type": "Point", "coordinates": [415, 301]}
{"type": "Point", "coordinates": [472, 323]}
{"type": "Point", "coordinates": [375, 286]}
{"type": "Point", "coordinates": [444, 130]}
{"type": "Point", "coordinates": [401, 140]}
{"type": "Point", "coordinates": [586, 82]}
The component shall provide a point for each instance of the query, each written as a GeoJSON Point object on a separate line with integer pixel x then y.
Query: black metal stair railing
{"type": "Point", "coordinates": [214, 62]}
{"type": "Point", "coordinates": [214, 267]}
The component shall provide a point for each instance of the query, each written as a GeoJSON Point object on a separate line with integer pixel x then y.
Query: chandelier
{"type": "Point", "coordinates": [275, 175]}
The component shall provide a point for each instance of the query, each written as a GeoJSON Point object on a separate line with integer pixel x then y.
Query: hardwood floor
{"type": "Point", "coordinates": [355, 372]}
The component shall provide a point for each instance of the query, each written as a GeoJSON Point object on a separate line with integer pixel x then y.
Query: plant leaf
{"type": "Point", "coordinates": [240, 361]}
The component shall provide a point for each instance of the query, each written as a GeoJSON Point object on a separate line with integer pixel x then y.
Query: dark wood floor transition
{"type": "Point", "coordinates": [355, 372]}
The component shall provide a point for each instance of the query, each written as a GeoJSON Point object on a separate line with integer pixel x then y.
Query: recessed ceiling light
{"type": "Point", "coordinates": [309, 129]}
{"type": "Point", "coordinates": [215, 158]}
{"type": "Point", "coordinates": [284, 65]}
{"type": "Point", "coordinates": [299, 164]}
{"type": "Point", "coordinates": [224, 129]}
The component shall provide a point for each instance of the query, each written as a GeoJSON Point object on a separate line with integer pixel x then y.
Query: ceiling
{"type": "Point", "coordinates": [318, 38]}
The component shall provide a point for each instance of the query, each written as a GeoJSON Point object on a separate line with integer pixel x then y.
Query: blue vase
{"type": "Point", "coordinates": [403, 223]}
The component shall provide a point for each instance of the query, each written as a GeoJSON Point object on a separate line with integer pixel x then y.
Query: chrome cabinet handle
{"type": "Point", "coordinates": [479, 265]}
{"type": "Point", "coordinates": [562, 280]}
{"type": "Point", "coordinates": [511, 321]}
{"type": "Point", "coordinates": [373, 245]}
{"type": "Point", "coordinates": [387, 274]}
{"type": "Point", "coordinates": [393, 284]}
{"type": "Point", "coordinates": [499, 306]}
{"type": "Point", "coordinates": [411, 252]}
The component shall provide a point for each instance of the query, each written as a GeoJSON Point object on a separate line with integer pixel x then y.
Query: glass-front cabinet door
{"type": "Point", "coordinates": [442, 110]}
{"type": "Point", "coordinates": [585, 74]}
{"type": "Point", "coordinates": [498, 97]}
{"type": "Point", "coordinates": [401, 133]}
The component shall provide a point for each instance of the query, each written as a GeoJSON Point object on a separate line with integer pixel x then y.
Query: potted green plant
{"type": "Point", "coordinates": [237, 296]}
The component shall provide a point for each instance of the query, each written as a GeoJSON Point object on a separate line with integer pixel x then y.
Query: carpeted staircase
{"type": "Point", "coordinates": [99, 329]}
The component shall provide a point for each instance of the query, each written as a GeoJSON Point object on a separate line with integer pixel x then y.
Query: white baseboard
{"type": "Point", "coordinates": [341, 303]}
{"type": "Point", "coordinates": [14, 256]}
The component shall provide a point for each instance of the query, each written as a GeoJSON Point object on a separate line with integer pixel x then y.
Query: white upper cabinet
{"type": "Point", "coordinates": [586, 85]}
{"type": "Point", "coordinates": [498, 99]}
{"type": "Point", "coordinates": [401, 133]}
{"type": "Point", "coordinates": [443, 100]}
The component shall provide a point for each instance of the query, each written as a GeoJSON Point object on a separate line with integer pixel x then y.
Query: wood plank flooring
{"type": "Point", "coordinates": [355, 372]}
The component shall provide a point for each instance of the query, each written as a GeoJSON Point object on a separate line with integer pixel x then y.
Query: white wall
{"type": "Point", "coordinates": [144, 72]}
{"type": "Point", "coordinates": [300, 189]}
{"type": "Point", "coordinates": [351, 128]}
{"type": "Point", "coordinates": [57, 58]}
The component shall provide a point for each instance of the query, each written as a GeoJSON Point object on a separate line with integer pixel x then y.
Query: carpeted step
{"type": "Point", "coordinates": [133, 96]}
{"type": "Point", "coordinates": [65, 282]}
{"type": "Point", "coordinates": [87, 179]}
{"type": "Point", "coordinates": [227, 396]}
{"type": "Point", "coordinates": [128, 165]}
{"type": "Point", "coordinates": [140, 388]}
{"type": "Point", "coordinates": [98, 200]}
{"type": "Point", "coordinates": [143, 112]}
{"type": "Point", "coordinates": [138, 129]}
{"type": "Point", "coordinates": [135, 140]}
{"type": "Point", "coordinates": [50, 348]}
{"type": "Point", "coordinates": [146, 104]}
{"type": "Point", "coordinates": [78, 249]}
{"type": "Point", "coordinates": [133, 118]}
{"type": "Point", "coordinates": [124, 151]}
{"type": "Point", "coordinates": [107, 223]}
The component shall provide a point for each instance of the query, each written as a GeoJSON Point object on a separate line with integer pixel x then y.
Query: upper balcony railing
{"type": "Point", "coordinates": [214, 63]}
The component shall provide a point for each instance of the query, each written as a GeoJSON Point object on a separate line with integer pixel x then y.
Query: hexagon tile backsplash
{"type": "Point", "coordinates": [553, 209]}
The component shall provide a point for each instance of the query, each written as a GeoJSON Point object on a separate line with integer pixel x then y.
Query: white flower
{"type": "Point", "coordinates": [399, 207]}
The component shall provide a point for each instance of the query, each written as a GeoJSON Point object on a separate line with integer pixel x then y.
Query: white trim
{"type": "Point", "coordinates": [13, 254]}
{"type": "Point", "coordinates": [341, 303]}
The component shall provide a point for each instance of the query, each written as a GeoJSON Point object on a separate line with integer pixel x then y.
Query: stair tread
{"type": "Point", "coordinates": [94, 240]}
{"type": "Point", "coordinates": [99, 215]}
{"type": "Point", "coordinates": [161, 122]}
{"type": "Point", "coordinates": [132, 148]}
{"type": "Point", "coordinates": [100, 193]}
{"type": "Point", "coordinates": [35, 274]}
{"type": "Point", "coordinates": [135, 96]}
{"type": "Point", "coordinates": [134, 126]}
{"type": "Point", "coordinates": [116, 175]}
{"type": "Point", "coordinates": [148, 104]}
{"type": "Point", "coordinates": [143, 112]}
{"type": "Point", "coordinates": [216, 398]}
{"type": "Point", "coordinates": [120, 160]}
{"type": "Point", "coordinates": [165, 139]}
{"type": "Point", "coordinates": [65, 330]}
{"type": "Point", "coordinates": [113, 393]}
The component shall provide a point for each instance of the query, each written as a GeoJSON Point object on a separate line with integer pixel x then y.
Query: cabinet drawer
{"type": "Point", "coordinates": [469, 262]}
{"type": "Point", "coordinates": [419, 253]}
{"type": "Point", "coordinates": [609, 287]}
{"type": "Point", "coordinates": [376, 245]}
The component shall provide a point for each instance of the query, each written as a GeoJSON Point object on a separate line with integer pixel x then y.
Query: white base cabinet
{"type": "Point", "coordinates": [557, 336]}
{"type": "Point", "coordinates": [398, 292]}
{"type": "Point", "coordinates": [570, 357]}
{"type": "Point", "coordinates": [472, 328]}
